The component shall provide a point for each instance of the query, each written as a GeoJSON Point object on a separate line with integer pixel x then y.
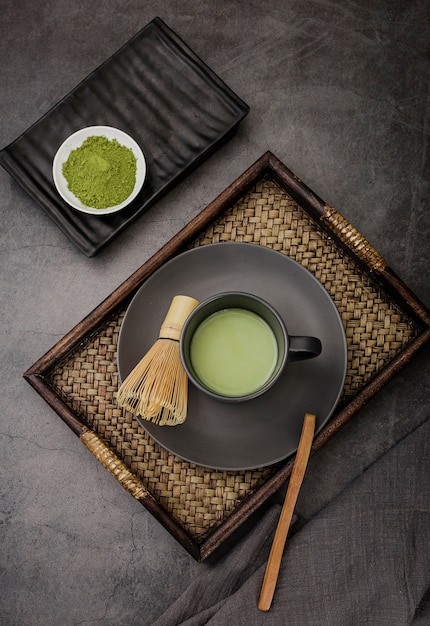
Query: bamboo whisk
{"type": "Point", "coordinates": [157, 388]}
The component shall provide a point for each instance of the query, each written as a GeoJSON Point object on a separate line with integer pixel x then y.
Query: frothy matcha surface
{"type": "Point", "coordinates": [234, 352]}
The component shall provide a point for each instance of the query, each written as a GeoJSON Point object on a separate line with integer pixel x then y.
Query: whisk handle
{"type": "Point", "coordinates": [179, 310]}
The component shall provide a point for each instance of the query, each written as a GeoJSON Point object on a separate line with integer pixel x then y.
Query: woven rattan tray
{"type": "Point", "coordinates": [385, 326]}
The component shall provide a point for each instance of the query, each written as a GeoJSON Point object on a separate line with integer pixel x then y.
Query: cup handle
{"type": "Point", "coordinates": [301, 348]}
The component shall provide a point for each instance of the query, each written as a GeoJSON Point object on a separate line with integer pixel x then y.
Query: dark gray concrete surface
{"type": "Point", "coordinates": [339, 91]}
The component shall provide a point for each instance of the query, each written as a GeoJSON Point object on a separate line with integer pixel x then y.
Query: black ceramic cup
{"type": "Point", "coordinates": [288, 347]}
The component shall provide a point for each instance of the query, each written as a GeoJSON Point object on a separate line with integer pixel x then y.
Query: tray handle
{"type": "Point", "coordinates": [353, 238]}
{"type": "Point", "coordinates": [113, 464]}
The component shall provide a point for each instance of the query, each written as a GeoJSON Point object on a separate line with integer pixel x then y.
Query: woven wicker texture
{"type": "Point", "coordinates": [196, 497]}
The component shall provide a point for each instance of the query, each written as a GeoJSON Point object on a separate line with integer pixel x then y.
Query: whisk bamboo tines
{"type": "Point", "coordinates": [157, 388]}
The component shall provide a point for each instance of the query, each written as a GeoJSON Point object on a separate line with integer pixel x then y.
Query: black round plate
{"type": "Point", "coordinates": [267, 429]}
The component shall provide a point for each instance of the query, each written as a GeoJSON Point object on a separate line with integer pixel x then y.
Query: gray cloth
{"type": "Point", "coordinates": [363, 560]}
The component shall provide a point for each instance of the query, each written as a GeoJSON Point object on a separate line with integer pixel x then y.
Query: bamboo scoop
{"type": "Point", "coordinates": [157, 388]}
{"type": "Point", "coordinates": [296, 479]}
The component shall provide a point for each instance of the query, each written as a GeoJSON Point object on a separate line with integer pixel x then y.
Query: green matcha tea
{"type": "Point", "coordinates": [101, 173]}
{"type": "Point", "coordinates": [234, 352]}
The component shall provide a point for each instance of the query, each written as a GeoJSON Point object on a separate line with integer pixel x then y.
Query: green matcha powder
{"type": "Point", "coordinates": [101, 172]}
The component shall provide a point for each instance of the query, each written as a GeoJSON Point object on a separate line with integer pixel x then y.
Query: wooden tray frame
{"type": "Point", "coordinates": [346, 237]}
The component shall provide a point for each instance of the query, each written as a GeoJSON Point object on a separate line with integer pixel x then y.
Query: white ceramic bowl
{"type": "Point", "coordinates": [75, 141]}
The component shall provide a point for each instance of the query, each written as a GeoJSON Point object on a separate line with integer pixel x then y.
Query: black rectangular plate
{"type": "Point", "coordinates": [155, 89]}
